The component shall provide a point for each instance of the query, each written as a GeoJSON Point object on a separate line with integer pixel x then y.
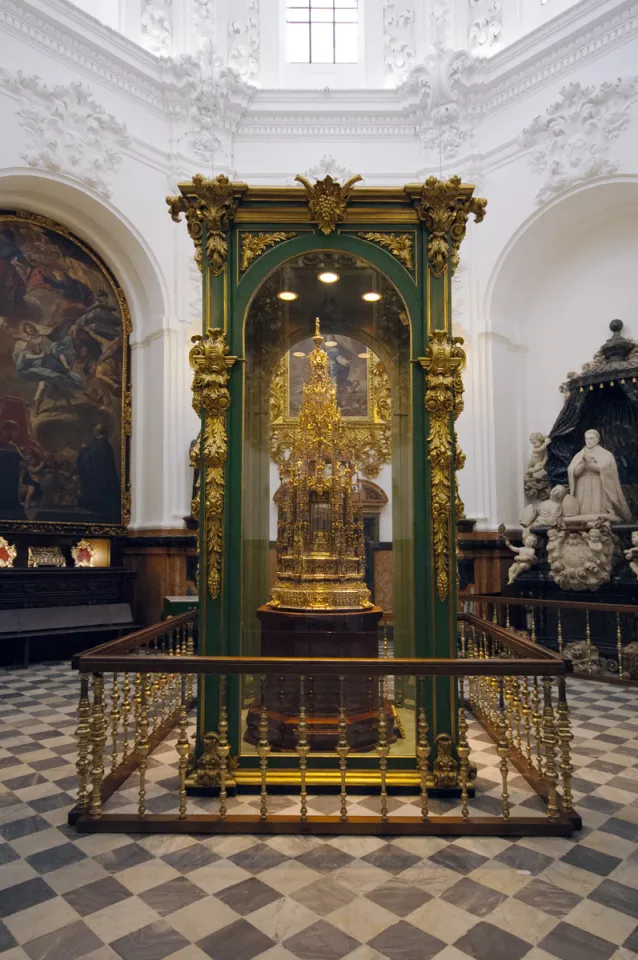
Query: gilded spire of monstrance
{"type": "Point", "coordinates": [320, 552]}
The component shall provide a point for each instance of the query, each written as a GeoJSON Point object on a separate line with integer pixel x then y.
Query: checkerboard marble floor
{"type": "Point", "coordinates": [66, 896]}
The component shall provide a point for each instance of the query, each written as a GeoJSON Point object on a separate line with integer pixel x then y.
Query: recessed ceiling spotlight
{"type": "Point", "coordinates": [287, 295]}
{"type": "Point", "coordinates": [328, 277]}
{"type": "Point", "coordinates": [298, 353]}
{"type": "Point", "coordinates": [331, 343]}
{"type": "Point", "coordinates": [363, 356]}
{"type": "Point", "coordinates": [371, 297]}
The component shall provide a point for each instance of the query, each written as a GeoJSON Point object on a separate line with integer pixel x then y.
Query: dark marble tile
{"type": "Point", "coordinates": [392, 859]}
{"type": "Point", "coordinates": [7, 940]}
{"type": "Point", "coordinates": [456, 858]}
{"type": "Point", "coordinates": [618, 896]}
{"type": "Point", "coordinates": [323, 896]}
{"type": "Point", "coordinates": [325, 858]}
{"type": "Point", "coordinates": [321, 941]}
{"type": "Point", "coordinates": [49, 734]}
{"type": "Point", "coordinates": [49, 763]}
{"type": "Point", "coordinates": [52, 802]}
{"type": "Point", "coordinates": [490, 806]}
{"type": "Point", "coordinates": [258, 858]}
{"type": "Point", "coordinates": [631, 943]}
{"type": "Point", "coordinates": [592, 860]}
{"type": "Point", "coordinates": [123, 857]}
{"type": "Point", "coordinates": [620, 828]}
{"type": "Point", "coordinates": [583, 786]}
{"type": "Point", "coordinates": [56, 857]}
{"type": "Point", "coordinates": [399, 897]}
{"type": "Point", "coordinates": [599, 804]}
{"type": "Point", "coordinates": [487, 942]}
{"type": "Point", "coordinates": [153, 942]}
{"type": "Point", "coordinates": [623, 783]}
{"type": "Point", "coordinates": [520, 858]}
{"type": "Point", "coordinates": [95, 896]}
{"type": "Point", "coordinates": [549, 898]}
{"type": "Point", "coordinates": [7, 854]}
{"type": "Point", "coordinates": [473, 897]}
{"type": "Point", "coordinates": [172, 895]}
{"type": "Point", "coordinates": [238, 941]}
{"type": "Point", "coordinates": [570, 943]}
{"type": "Point", "coordinates": [9, 762]}
{"type": "Point", "coordinates": [248, 896]}
{"type": "Point", "coordinates": [71, 942]}
{"type": "Point", "coordinates": [23, 895]}
{"type": "Point", "coordinates": [22, 828]}
{"type": "Point", "coordinates": [167, 803]}
{"type": "Point", "coordinates": [191, 858]}
{"type": "Point", "coordinates": [26, 780]}
{"type": "Point", "coordinates": [604, 766]}
{"type": "Point", "coordinates": [610, 738]}
{"type": "Point", "coordinates": [405, 942]}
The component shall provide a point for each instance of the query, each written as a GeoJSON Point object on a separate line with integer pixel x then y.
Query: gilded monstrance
{"type": "Point", "coordinates": [320, 549]}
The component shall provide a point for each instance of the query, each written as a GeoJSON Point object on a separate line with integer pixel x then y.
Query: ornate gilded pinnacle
{"type": "Point", "coordinates": [208, 213]}
{"type": "Point", "coordinates": [327, 200]}
{"type": "Point", "coordinates": [444, 206]}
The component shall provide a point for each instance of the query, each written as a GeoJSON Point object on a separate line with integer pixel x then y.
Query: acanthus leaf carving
{"type": "Point", "coordinates": [444, 207]}
{"type": "Point", "coordinates": [69, 132]}
{"type": "Point", "coordinates": [399, 46]}
{"type": "Point", "coordinates": [486, 28]}
{"type": "Point", "coordinates": [209, 208]}
{"type": "Point", "coordinates": [157, 32]}
{"type": "Point", "coordinates": [211, 399]}
{"type": "Point", "coordinates": [570, 142]}
{"type": "Point", "coordinates": [243, 40]}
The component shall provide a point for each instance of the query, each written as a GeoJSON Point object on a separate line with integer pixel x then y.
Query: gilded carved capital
{"type": "Point", "coordinates": [443, 363]}
{"type": "Point", "coordinates": [444, 206]}
{"type": "Point", "coordinates": [211, 399]}
{"type": "Point", "coordinates": [328, 200]}
{"type": "Point", "coordinates": [211, 206]}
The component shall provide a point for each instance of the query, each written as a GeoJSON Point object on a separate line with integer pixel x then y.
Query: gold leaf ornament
{"type": "Point", "coordinates": [400, 245]}
{"type": "Point", "coordinates": [254, 244]}
{"type": "Point", "coordinates": [328, 200]}
{"type": "Point", "coordinates": [211, 208]}
{"type": "Point", "coordinates": [443, 362]}
{"type": "Point", "coordinates": [211, 399]}
{"type": "Point", "coordinates": [444, 207]}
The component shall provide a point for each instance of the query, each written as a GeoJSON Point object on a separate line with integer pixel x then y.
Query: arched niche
{"type": "Point", "coordinates": [560, 279]}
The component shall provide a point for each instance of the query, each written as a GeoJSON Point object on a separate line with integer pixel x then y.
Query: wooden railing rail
{"type": "Point", "coordinates": [503, 601]}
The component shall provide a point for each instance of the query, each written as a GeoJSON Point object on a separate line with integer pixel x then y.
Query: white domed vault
{"type": "Point", "coordinates": [107, 106]}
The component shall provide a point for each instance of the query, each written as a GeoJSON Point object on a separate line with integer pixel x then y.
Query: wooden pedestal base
{"type": "Point", "coordinates": [286, 634]}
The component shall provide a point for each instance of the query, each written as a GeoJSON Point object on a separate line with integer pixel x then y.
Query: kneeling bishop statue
{"type": "Point", "coordinates": [594, 483]}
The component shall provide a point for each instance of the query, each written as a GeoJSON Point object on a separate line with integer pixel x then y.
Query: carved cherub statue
{"type": "Point", "coordinates": [525, 555]}
{"type": "Point", "coordinates": [548, 513]}
{"type": "Point", "coordinates": [632, 553]}
{"type": "Point", "coordinates": [535, 481]}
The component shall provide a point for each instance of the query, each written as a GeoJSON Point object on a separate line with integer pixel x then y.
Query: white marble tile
{"type": "Point", "coordinates": [145, 875]}
{"type": "Point", "coordinates": [524, 921]}
{"type": "Point", "coordinates": [199, 919]}
{"type": "Point", "coordinates": [120, 919]}
{"type": "Point", "coordinates": [601, 921]}
{"type": "Point", "coordinates": [443, 920]}
{"type": "Point", "coordinates": [288, 877]}
{"type": "Point", "coordinates": [362, 919]}
{"type": "Point", "coordinates": [96, 843]}
{"type": "Point", "coordinates": [42, 918]}
{"type": "Point", "coordinates": [36, 842]}
{"type": "Point", "coordinates": [75, 875]}
{"type": "Point", "coordinates": [283, 918]}
{"type": "Point", "coordinates": [15, 872]}
{"type": "Point", "coordinates": [218, 876]}
{"type": "Point", "coordinates": [359, 876]}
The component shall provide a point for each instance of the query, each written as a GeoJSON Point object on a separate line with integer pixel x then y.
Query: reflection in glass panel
{"type": "Point", "coordinates": [352, 534]}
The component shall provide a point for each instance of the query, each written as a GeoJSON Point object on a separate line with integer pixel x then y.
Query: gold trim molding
{"type": "Point", "coordinates": [328, 200]}
{"type": "Point", "coordinates": [444, 206]}
{"type": "Point", "coordinates": [443, 363]}
{"type": "Point", "coordinates": [211, 206]}
{"type": "Point", "coordinates": [252, 245]}
{"type": "Point", "coordinates": [211, 399]}
{"type": "Point", "coordinates": [400, 245]}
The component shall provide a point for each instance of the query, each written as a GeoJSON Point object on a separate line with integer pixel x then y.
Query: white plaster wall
{"type": "Point", "coordinates": [539, 282]}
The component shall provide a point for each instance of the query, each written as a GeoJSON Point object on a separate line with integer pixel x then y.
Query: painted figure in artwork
{"type": "Point", "coordinates": [594, 482]}
{"type": "Point", "coordinates": [62, 377]}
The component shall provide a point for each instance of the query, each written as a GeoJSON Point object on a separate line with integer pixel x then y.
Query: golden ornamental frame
{"type": "Point", "coordinates": [74, 526]}
{"type": "Point", "coordinates": [370, 437]}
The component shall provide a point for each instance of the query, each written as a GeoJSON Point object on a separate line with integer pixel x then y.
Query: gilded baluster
{"type": "Point", "coordinates": [516, 710]}
{"type": "Point", "coordinates": [463, 650]}
{"type": "Point", "coordinates": [163, 680]}
{"type": "Point", "coordinates": [423, 751]}
{"type": "Point", "coordinates": [533, 633]}
{"type": "Point", "coordinates": [494, 614]}
{"type": "Point", "coordinates": [83, 734]}
{"type": "Point", "coordinates": [98, 739]}
{"type": "Point", "coordinates": [190, 652]}
{"type": "Point", "coordinates": [156, 703]}
{"type": "Point", "coordinates": [559, 632]}
{"type": "Point", "coordinates": [463, 750]}
{"type": "Point", "coordinates": [386, 656]}
{"type": "Point", "coordinates": [588, 640]}
{"type": "Point", "coordinates": [182, 748]}
{"type": "Point", "coordinates": [303, 749]}
{"type": "Point", "coordinates": [342, 750]}
{"type": "Point", "coordinates": [263, 750]}
{"type": "Point", "coordinates": [507, 616]}
{"type": "Point", "coordinates": [383, 750]}
{"type": "Point", "coordinates": [619, 646]}
{"type": "Point", "coordinates": [114, 719]}
{"type": "Point", "coordinates": [503, 750]}
{"type": "Point", "coordinates": [526, 710]}
{"type": "Point", "coordinates": [537, 720]}
{"type": "Point", "coordinates": [223, 748]}
{"type": "Point", "coordinates": [171, 676]}
{"type": "Point", "coordinates": [565, 737]}
{"type": "Point", "coordinates": [141, 739]}
{"type": "Point", "coordinates": [550, 742]}
{"type": "Point", "coordinates": [126, 710]}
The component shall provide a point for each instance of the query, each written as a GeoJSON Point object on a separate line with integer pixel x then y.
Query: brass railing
{"type": "Point", "coordinates": [136, 690]}
{"type": "Point", "coordinates": [558, 624]}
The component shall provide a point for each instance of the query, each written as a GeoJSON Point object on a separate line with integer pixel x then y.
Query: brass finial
{"type": "Point", "coordinates": [317, 339]}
